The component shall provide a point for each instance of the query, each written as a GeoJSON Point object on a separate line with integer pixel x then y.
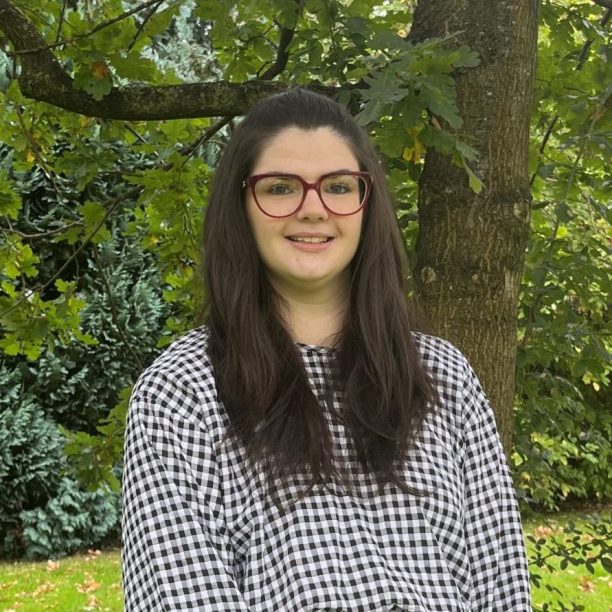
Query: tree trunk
{"type": "Point", "coordinates": [471, 246]}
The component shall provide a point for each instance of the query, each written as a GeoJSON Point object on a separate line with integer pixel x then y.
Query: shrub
{"type": "Point", "coordinates": [72, 520]}
{"type": "Point", "coordinates": [30, 465]}
{"type": "Point", "coordinates": [124, 313]}
{"type": "Point", "coordinates": [43, 514]}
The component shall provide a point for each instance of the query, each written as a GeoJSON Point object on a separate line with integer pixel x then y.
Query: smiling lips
{"type": "Point", "coordinates": [309, 239]}
{"type": "Point", "coordinates": [310, 243]}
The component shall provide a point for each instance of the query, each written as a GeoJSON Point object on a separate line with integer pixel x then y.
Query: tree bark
{"type": "Point", "coordinates": [470, 249]}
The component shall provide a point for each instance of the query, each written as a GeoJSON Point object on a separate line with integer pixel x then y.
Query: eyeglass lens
{"type": "Point", "coordinates": [282, 195]}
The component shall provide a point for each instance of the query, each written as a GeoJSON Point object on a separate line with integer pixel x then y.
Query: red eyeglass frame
{"type": "Point", "coordinates": [252, 180]}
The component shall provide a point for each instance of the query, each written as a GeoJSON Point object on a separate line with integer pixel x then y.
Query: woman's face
{"type": "Point", "coordinates": [310, 250]}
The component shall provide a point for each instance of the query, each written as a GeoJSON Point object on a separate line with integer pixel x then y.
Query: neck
{"type": "Point", "coordinates": [314, 317]}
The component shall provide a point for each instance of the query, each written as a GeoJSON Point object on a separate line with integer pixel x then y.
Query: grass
{"type": "Point", "coordinates": [592, 591]}
{"type": "Point", "coordinates": [82, 582]}
{"type": "Point", "coordinates": [92, 581]}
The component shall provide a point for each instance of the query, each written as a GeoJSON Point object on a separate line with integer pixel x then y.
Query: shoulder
{"type": "Point", "coordinates": [181, 376]}
{"type": "Point", "coordinates": [442, 360]}
{"type": "Point", "coordinates": [459, 396]}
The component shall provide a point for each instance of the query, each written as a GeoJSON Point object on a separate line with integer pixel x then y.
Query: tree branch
{"type": "Point", "coordinates": [207, 135]}
{"type": "Point", "coordinates": [53, 232]}
{"type": "Point", "coordinates": [141, 27]}
{"type": "Point", "coordinates": [547, 135]}
{"type": "Point", "coordinates": [105, 24]}
{"type": "Point", "coordinates": [42, 78]}
{"type": "Point", "coordinates": [282, 56]}
{"type": "Point", "coordinates": [605, 3]}
{"type": "Point", "coordinates": [61, 21]}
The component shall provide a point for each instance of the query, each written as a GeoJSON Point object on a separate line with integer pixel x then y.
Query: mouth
{"type": "Point", "coordinates": [310, 239]}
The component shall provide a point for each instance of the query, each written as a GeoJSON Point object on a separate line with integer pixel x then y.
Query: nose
{"type": "Point", "coordinates": [312, 208]}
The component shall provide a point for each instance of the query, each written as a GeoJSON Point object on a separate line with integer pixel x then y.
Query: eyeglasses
{"type": "Point", "coordinates": [282, 195]}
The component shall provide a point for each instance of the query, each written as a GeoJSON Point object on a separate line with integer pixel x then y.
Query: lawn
{"type": "Point", "coordinates": [91, 581]}
{"type": "Point", "coordinates": [592, 591]}
{"type": "Point", "coordinates": [82, 582]}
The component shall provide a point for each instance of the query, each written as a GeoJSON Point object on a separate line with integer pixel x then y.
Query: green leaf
{"type": "Point", "coordinates": [440, 139]}
{"type": "Point", "coordinates": [10, 201]}
{"type": "Point", "coordinates": [95, 78]}
{"type": "Point", "coordinates": [475, 183]}
{"type": "Point", "coordinates": [388, 40]}
{"type": "Point", "coordinates": [93, 216]}
{"type": "Point", "coordinates": [439, 96]}
{"type": "Point", "coordinates": [464, 57]}
{"type": "Point", "coordinates": [358, 25]}
{"type": "Point", "coordinates": [384, 90]}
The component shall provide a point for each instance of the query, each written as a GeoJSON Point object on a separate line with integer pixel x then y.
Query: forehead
{"type": "Point", "coordinates": [306, 152]}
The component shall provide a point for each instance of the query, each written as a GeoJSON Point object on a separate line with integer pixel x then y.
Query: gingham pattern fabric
{"type": "Point", "coordinates": [199, 533]}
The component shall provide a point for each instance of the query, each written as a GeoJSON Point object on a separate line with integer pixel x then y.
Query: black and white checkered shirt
{"type": "Point", "coordinates": [199, 535]}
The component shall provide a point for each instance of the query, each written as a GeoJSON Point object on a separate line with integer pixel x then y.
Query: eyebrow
{"type": "Point", "coordinates": [284, 173]}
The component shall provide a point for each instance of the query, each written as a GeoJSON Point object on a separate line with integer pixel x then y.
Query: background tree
{"type": "Point", "coordinates": [113, 115]}
{"type": "Point", "coordinates": [399, 84]}
{"type": "Point", "coordinates": [563, 439]}
{"type": "Point", "coordinates": [470, 245]}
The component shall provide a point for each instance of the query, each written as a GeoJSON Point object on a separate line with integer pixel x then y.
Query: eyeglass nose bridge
{"type": "Point", "coordinates": [306, 187]}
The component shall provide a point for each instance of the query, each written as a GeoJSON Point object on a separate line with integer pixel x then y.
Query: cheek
{"type": "Point", "coordinates": [263, 229]}
{"type": "Point", "coordinates": [356, 227]}
{"type": "Point", "coordinates": [256, 223]}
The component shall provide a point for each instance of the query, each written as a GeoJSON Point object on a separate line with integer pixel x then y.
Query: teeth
{"type": "Point", "coordinates": [313, 239]}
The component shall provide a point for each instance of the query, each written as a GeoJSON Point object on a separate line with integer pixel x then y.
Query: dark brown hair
{"type": "Point", "coordinates": [259, 373]}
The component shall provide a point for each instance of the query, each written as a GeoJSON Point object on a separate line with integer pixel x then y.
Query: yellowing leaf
{"type": "Point", "coordinates": [88, 585]}
{"type": "Point", "coordinates": [542, 531]}
{"type": "Point", "coordinates": [99, 70]}
{"type": "Point", "coordinates": [587, 585]}
{"type": "Point", "coordinates": [415, 152]}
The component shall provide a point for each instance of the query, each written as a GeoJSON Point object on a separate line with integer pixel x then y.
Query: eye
{"type": "Point", "coordinates": [341, 184]}
{"type": "Point", "coordinates": [279, 189]}
{"type": "Point", "coordinates": [278, 186]}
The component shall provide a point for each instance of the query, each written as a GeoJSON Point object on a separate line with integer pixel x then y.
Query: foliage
{"type": "Point", "coordinates": [100, 220]}
{"type": "Point", "coordinates": [103, 213]}
{"type": "Point", "coordinates": [171, 184]}
{"type": "Point", "coordinates": [563, 424]}
{"type": "Point", "coordinates": [579, 547]}
{"type": "Point", "coordinates": [73, 520]}
{"type": "Point", "coordinates": [43, 513]}
{"type": "Point", "coordinates": [30, 465]}
{"type": "Point", "coordinates": [81, 371]}
{"type": "Point", "coordinates": [124, 313]}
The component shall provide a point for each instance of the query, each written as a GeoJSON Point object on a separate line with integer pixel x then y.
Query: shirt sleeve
{"type": "Point", "coordinates": [500, 578]}
{"type": "Point", "coordinates": [176, 552]}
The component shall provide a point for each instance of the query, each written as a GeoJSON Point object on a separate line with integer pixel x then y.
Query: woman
{"type": "Point", "coordinates": [306, 449]}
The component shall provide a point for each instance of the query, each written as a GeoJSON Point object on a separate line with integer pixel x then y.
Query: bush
{"type": "Point", "coordinates": [71, 521]}
{"type": "Point", "coordinates": [77, 383]}
{"type": "Point", "coordinates": [43, 514]}
{"type": "Point", "coordinates": [30, 465]}
{"type": "Point", "coordinates": [562, 441]}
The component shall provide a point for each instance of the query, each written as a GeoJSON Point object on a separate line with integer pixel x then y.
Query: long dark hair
{"type": "Point", "coordinates": [259, 373]}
